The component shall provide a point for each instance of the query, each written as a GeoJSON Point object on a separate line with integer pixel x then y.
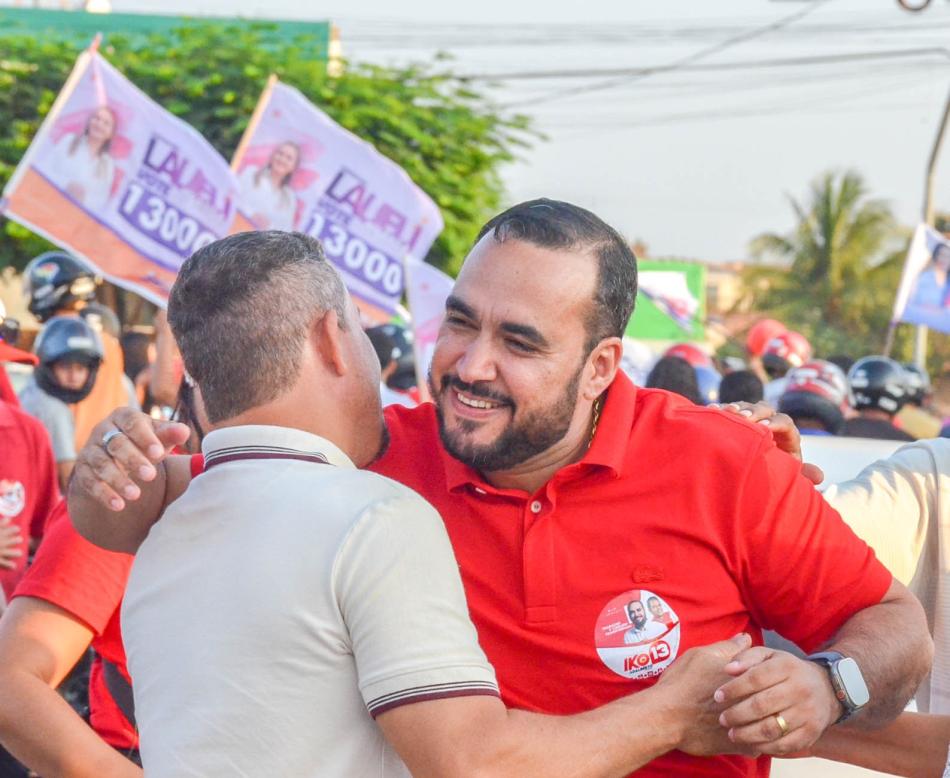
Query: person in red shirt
{"type": "Point", "coordinates": [69, 599]}
{"type": "Point", "coordinates": [568, 492]}
{"type": "Point", "coordinates": [28, 484]}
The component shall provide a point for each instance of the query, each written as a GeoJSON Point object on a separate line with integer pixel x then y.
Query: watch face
{"type": "Point", "coordinates": [852, 682]}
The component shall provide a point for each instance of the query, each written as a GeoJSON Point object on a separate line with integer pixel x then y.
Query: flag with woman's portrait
{"type": "Point", "coordinates": [923, 296]}
{"type": "Point", "coordinates": [118, 180]}
{"type": "Point", "coordinates": [300, 170]}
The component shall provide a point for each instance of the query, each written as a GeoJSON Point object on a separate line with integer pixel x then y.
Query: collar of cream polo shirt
{"type": "Point", "coordinates": [258, 441]}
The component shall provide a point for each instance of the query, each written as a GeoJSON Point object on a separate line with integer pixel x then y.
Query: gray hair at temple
{"type": "Point", "coordinates": [241, 309]}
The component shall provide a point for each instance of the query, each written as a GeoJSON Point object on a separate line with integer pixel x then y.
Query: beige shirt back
{"type": "Point", "coordinates": [900, 506]}
{"type": "Point", "coordinates": [280, 604]}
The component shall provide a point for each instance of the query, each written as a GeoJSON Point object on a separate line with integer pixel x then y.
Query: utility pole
{"type": "Point", "coordinates": [920, 344]}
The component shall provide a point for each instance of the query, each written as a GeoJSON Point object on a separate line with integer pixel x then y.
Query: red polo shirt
{"type": "Point", "coordinates": [28, 483]}
{"type": "Point", "coordinates": [681, 526]}
{"type": "Point", "coordinates": [88, 583]}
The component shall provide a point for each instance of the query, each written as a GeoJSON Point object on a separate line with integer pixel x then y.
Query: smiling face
{"type": "Point", "coordinates": [284, 160]}
{"type": "Point", "coordinates": [636, 614]}
{"type": "Point", "coordinates": [510, 359]}
{"type": "Point", "coordinates": [101, 126]}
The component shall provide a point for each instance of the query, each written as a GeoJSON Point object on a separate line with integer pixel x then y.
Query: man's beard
{"type": "Point", "coordinates": [639, 622]}
{"type": "Point", "coordinates": [521, 440]}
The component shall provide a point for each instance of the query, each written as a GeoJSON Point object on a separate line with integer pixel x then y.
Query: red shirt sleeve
{"type": "Point", "coordinates": [70, 572]}
{"type": "Point", "coordinates": [803, 572]}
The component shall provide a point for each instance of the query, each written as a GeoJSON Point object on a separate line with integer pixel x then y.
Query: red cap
{"type": "Point", "coordinates": [761, 333]}
{"type": "Point", "coordinates": [10, 354]}
{"type": "Point", "coordinates": [691, 353]}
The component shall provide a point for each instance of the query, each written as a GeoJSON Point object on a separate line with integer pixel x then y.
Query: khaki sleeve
{"type": "Point", "coordinates": [398, 588]}
{"type": "Point", "coordinates": [890, 506]}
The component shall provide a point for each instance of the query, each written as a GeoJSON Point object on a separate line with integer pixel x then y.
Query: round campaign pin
{"type": "Point", "coordinates": [12, 498]}
{"type": "Point", "coordinates": [637, 634]}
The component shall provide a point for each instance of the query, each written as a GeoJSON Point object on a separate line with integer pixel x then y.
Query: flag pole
{"type": "Point", "coordinates": [254, 121]}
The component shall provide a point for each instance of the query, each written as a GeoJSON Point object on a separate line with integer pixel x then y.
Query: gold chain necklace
{"type": "Point", "coordinates": [598, 404]}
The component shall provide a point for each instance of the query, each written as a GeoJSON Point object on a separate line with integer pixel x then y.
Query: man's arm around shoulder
{"type": "Point", "coordinates": [478, 736]}
{"type": "Point", "coordinates": [115, 496]}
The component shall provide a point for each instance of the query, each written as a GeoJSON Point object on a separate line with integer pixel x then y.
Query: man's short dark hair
{"type": "Point", "coordinates": [740, 386]}
{"type": "Point", "coordinates": [240, 310]}
{"type": "Point", "coordinates": [557, 225]}
{"type": "Point", "coordinates": [675, 375]}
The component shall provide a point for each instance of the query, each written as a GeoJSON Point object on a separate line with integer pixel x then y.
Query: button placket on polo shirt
{"type": "Point", "coordinates": [538, 558]}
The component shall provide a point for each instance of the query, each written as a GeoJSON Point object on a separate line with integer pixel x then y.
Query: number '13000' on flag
{"type": "Point", "coordinates": [117, 179]}
{"type": "Point", "coordinates": [300, 170]}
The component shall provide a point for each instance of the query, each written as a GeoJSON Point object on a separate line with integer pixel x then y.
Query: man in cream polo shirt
{"type": "Point", "coordinates": [288, 599]}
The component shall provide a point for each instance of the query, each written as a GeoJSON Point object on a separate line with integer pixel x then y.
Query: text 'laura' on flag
{"type": "Point", "coordinates": [117, 179]}
{"type": "Point", "coordinates": [300, 170]}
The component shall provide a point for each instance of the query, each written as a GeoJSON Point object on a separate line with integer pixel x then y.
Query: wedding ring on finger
{"type": "Point", "coordinates": [109, 437]}
{"type": "Point", "coordinates": [782, 724]}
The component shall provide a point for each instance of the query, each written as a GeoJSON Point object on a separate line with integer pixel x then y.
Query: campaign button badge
{"type": "Point", "coordinates": [637, 634]}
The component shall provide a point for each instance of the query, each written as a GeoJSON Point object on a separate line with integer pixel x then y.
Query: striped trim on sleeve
{"type": "Point", "coordinates": [437, 691]}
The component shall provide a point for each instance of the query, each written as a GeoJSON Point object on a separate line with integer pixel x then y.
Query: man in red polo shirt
{"type": "Point", "coordinates": [569, 494]}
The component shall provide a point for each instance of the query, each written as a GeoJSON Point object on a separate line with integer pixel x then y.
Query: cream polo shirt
{"type": "Point", "coordinates": [283, 601]}
{"type": "Point", "coordinates": [900, 506]}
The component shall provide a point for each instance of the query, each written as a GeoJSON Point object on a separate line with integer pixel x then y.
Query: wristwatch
{"type": "Point", "coordinates": [846, 680]}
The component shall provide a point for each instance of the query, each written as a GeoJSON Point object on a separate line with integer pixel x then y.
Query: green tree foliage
{"type": "Point", "coordinates": [835, 275]}
{"type": "Point", "coordinates": [446, 136]}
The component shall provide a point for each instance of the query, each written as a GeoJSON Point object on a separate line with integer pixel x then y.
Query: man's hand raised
{"type": "Point", "coordinates": [127, 445]}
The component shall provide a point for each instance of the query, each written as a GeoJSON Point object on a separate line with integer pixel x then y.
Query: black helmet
{"type": "Point", "coordinates": [404, 377]}
{"type": "Point", "coordinates": [878, 382]}
{"type": "Point", "coordinates": [918, 383]}
{"type": "Point", "coordinates": [67, 339]}
{"type": "Point", "coordinates": [55, 279]}
{"type": "Point", "coordinates": [101, 318]}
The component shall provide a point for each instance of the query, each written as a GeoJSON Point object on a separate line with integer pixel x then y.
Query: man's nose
{"type": "Point", "coordinates": [477, 362]}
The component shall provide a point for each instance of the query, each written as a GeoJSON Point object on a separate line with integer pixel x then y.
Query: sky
{"type": "Point", "coordinates": [701, 156]}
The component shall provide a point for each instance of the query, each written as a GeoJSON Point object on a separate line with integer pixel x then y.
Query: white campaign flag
{"type": "Point", "coordinates": [427, 289]}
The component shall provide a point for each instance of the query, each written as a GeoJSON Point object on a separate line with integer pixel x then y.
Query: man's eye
{"type": "Point", "coordinates": [457, 321]}
{"type": "Point", "coordinates": [518, 345]}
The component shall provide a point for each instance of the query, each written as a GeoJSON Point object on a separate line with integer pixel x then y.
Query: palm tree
{"type": "Point", "coordinates": [835, 275]}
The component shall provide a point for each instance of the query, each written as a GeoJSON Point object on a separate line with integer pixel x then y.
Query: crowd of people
{"type": "Point", "coordinates": [545, 570]}
{"type": "Point", "coordinates": [871, 397]}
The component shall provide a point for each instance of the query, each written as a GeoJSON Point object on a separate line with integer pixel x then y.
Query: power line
{"type": "Point", "coordinates": [818, 59]}
{"type": "Point", "coordinates": [684, 61]}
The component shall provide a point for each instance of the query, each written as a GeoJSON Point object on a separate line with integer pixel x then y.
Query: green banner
{"type": "Point", "coordinates": [82, 26]}
{"type": "Point", "coordinates": [671, 301]}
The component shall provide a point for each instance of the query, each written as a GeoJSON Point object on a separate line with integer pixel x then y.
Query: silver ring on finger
{"type": "Point", "coordinates": [109, 437]}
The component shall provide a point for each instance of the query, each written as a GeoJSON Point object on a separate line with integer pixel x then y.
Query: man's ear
{"type": "Point", "coordinates": [326, 339]}
{"type": "Point", "coordinates": [602, 366]}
